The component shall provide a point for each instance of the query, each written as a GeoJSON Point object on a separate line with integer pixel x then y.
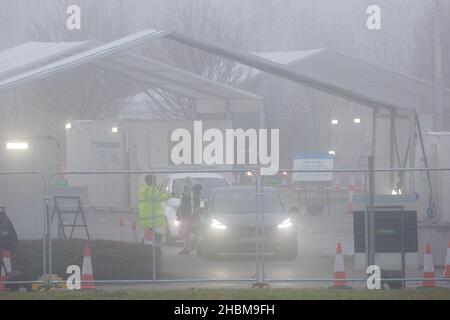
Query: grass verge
{"type": "Point", "coordinates": [233, 294]}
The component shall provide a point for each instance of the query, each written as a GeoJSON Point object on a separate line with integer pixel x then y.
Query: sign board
{"type": "Point", "coordinates": [313, 162]}
{"type": "Point", "coordinates": [62, 182]}
{"type": "Point", "coordinates": [107, 156]}
{"type": "Point", "coordinates": [272, 180]}
{"type": "Point", "coordinates": [388, 227]}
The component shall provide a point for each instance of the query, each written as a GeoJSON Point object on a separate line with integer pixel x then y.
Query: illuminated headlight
{"type": "Point", "coordinates": [285, 224]}
{"type": "Point", "coordinates": [217, 225]}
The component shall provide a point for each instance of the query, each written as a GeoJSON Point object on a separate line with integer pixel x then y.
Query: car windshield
{"type": "Point", "coordinates": [244, 202]}
{"type": "Point", "coordinates": [207, 185]}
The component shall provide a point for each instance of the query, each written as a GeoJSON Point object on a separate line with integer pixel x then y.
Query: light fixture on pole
{"type": "Point", "coordinates": [332, 153]}
{"type": "Point", "coordinates": [68, 125]}
{"type": "Point", "coordinates": [17, 145]}
{"type": "Point", "coordinates": [357, 120]}
{"type": "Point", "coordinates": [334, 121]}
{"type": "Point", "coordinates": [114, 129]}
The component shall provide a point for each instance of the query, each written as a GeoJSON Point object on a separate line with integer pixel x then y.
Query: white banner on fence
{"type": "Point", "coordinates": [313, 162]}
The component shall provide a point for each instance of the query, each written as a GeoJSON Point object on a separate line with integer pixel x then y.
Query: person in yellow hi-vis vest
{"type": "Point", "coordinates": [151, 212]}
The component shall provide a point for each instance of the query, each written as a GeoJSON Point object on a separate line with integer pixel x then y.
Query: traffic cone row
{"type": "Point", "coordinates": [428, 275]}
{"type": "Point", "coordinates": [134, 232]}
{"type": "Point", "coordinates": [6, 269]}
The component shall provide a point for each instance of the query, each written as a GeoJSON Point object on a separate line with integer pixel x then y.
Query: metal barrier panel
{"type": "Point", "coordinates": [22, 200]}
{"type": "Point", "coordinates": [260, 229]}
{"type": "Point", "coordinates": [123, 248]}
{"type": "Point", "coordinates": [301, 238]}
{"type": "Point", "coordinates": [327, 229]}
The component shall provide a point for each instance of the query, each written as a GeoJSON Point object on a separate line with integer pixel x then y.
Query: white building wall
{"type": "Point", "coordinates": [91, 146]}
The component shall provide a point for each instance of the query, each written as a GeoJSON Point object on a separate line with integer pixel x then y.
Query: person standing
{"type": "Point", "coordinates": [196, 202]}
{"type": "Point", "coordinates": [185, 213]}
{"type": "Point", "coordinates": [151, 213]}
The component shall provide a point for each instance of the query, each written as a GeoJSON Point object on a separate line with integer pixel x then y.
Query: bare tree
{"type": "Point", "coordinates": [422, 66]}
{"type": "Point", "coordinates": [85, 92]}
{"type": "Point", "coordinates": [206, 19]}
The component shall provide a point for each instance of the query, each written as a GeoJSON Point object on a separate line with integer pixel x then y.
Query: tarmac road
{"type": "Point", "coordinates": [317, 238]}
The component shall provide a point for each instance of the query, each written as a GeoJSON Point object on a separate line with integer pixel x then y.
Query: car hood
{"type": "Point", "coordinates": [249, 219]}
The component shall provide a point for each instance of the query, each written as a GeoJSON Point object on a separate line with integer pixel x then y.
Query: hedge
{"type": "Point", "coordinates": [111, 260]}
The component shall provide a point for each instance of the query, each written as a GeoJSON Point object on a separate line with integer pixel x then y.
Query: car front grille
{"type": "Point", "coordinates": [251, 231]}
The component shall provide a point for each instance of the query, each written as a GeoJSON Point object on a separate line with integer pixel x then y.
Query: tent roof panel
{"type": "Point", "coordinates": [354, 75]}
{"type": "Point", "coordinates": [355, 91]}
{"type": "Point", "coordinates": [114, 57]}
{"type": "Point", "coordinates": [32, 53]}
{"type": "Point", "coordinates": [320, 69]}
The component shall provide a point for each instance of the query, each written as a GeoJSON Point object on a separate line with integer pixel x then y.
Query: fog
{"type": "Point", "coordinates": [87, 115]}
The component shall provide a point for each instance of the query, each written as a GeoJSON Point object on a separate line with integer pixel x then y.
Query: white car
{"type": "Point", "coordinates": [174, 183]}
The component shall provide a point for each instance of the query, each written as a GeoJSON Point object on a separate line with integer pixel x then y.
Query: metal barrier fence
{"type": "Point", "coordinates": [316, 216]}
{"type": "Point", "coordinates": [26, 192]}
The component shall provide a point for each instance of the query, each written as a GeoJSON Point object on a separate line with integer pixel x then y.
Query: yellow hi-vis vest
{"type": "Point", "coordinates": [150, 209]}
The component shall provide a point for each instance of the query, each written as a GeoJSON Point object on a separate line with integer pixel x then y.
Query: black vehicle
{"type": "Point", "coordinates": [228, 224]}
{"type": "Point", "coordinates": [8, 235]}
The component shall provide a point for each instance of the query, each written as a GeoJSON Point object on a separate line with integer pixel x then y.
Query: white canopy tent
{"type": "Point", "coordinates": [209, 96]}
{"type": "Point", "coordinates": [32, 54]}
{"type": "Point", "coordinates": [374, 82]}
{"type": "Point", "coordinates": [322, 69]}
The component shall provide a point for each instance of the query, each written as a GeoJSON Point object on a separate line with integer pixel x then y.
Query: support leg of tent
{"type": "Point", "coordinates": [374, 133]}
{"type": "Point", "coordinates": [391, 155]}
{"type": "Point", "coordinates": [412, 153]}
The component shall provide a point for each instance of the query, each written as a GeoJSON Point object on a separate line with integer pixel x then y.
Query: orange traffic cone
{"type": "Point", "coordinates": [87, 274]}
{"type": "Point", "coordinates": [5, 269]}
{"type": "Point", "coordinates": [339, 270]}
{"type": "Point", "coordinates": [447, 263]}
{"type": "Point", "coordinates": [134, 230]}
{"type": "Point", "coordinates": [121, 225]}
{"type": "Point", "coordinates": [428, 274]}
{"type": "Point", "coordinates": [148, 237]}
{"type": "Point", "coordinates": [7, 261]}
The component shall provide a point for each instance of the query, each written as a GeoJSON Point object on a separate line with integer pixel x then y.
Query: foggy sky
{"type": "Point", "coordinates": [270, 23]}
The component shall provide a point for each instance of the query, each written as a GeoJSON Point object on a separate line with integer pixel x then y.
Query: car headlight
{"type": "Point", "coordinates": [217, 225]}
{"type": "Point", "coordinates": [285, 224]}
